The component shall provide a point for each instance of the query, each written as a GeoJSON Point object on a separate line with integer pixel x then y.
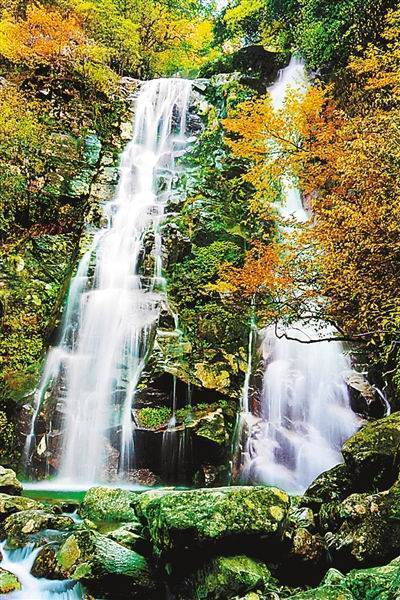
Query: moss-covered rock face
{"type": "Point", "coordinates": [20, 526]}
{"type": "Point", "coordinates": [89, 556]}
{"type": "Point", "coordinates": [108, 504]}
{"type": "Point", "coordinates": [225, 577]}
{"type": "Point", "coordinates": [373, 454]}
{"type": "Point", "coordinates": [188, 519]}
{"type": "Point", "coordinates": [9, 483]}
{"type": "Point", "coordinates": [8, 582]}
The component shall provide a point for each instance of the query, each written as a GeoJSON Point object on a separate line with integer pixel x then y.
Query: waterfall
{"type": "Point", "coordinates": [305, 407]}
{"type": "Point", "coordinates": [112, 308]}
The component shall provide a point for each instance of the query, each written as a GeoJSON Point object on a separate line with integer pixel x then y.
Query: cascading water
{"type": "Point", "coordinates": [112, 309]}
{"type": "Point", "coordinates": [20, 562]}
{"type": "Point", "coordinates": [305, 408]}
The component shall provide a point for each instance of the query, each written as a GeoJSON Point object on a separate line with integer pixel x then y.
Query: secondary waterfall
{"type": "Point", "coordinates": [112, 308]}
{"type": "Point", "coordinates": [305, 408]}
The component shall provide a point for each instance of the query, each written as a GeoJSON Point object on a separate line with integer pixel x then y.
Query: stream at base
{"type": "Point", "coordinates": [20, 562]}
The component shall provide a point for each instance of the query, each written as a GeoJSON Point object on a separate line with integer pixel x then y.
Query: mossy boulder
{"type": "Point", "coordinates": [212, 427]}
{"type": "Point", "coordinates": [225, 577]}
{"type": "Point", "coordinates": [89, 556]}
{"type": "Point", "coordinates": [9, 483]}
{"type": "Point", "coordinates": [325, 592]}
{"type": "Point", "coordinates": [20, 526]}
{"type": "Point", "coordinates": [130, 536]}
{"type": "Point", "coordinates": [46, 565]}
{"type": "Point", "coordinates": [365, 528]}
{"type": "Point", "coordinates": [13, 504]}
{"type": "Point", "coordinates": [381, 583]}
{"type": "Point", "coordinates": [108, 504]}
{"type": "Point", "coordinates": [8, 582]}
{"type": "Point", "coordinates": [373, 454]}
{"type": "Point", "coordinates": [180, 520]}
{"type": "Point", "coordinates": [331, 486]}
{"type": "Point", "coordinates": [376, 583]}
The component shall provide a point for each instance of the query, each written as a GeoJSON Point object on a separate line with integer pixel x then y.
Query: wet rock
{"type": "Point", "coordinates": [181, 520]}
{"type": "Point", "coordinates": [14, 504]}
{"type": "Point", "coordinates": [308, 547]}
{"type": "Point", "coordinates": [20, 526]}
{"type": "Point", "coordinates": [46, 565]}
{"type": "Point", "coordinates": [377, 582]}
{"type": "Point", "coordinates": [90, 556]}
{"type": "Point", "coordinates": [108, 504]}
{"type": "Point", "coordinates": [381, 583]}
{"type": "Point", "coordinates": [9, 483]}
{"type": "Point", "coordinates": [365, 528]}
{"type": "Point", "coordinates": [144, 477]}
{"type": "Point", "coordinates": [325, 592]}
{"type": "Point", "coordinates": [364, 398]}
{"type": "Point", "coordinates": [130, 536]}
{"type": "Point", "coordinates": [212, 427]}
{"type": "Point", "coordinates": [333, 485]}
{"type": "Point", "coordinates": [373, 454]}
{"type": "Point", "coordinates": [224, 577]}
{"type": "Point", "coordinates": [8, 582]}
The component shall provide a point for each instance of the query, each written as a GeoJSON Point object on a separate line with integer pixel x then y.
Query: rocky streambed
{"type": "Point", "coordinates": [340, 541]}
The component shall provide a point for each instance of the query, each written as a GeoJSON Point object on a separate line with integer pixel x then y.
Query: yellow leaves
{"type": "Point", "coordinates": [45, 36]}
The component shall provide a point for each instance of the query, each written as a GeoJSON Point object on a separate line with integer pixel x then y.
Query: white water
{"type": "Point", "coordinates": [112, 310]}
{"type": "Point", "coordinates": [305, 409]}
{"type": "Point", "coordinates": [20, 562]}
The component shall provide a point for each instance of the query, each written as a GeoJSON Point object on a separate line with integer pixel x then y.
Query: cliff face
{"type": "Point", "coordinates": [83, 138]}
{"type": "Point", "coordinates": [207, 225]}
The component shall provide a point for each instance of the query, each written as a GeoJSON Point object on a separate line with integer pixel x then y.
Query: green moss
{"type": "Point", "coordinates": [191, 518]}
{"type": "Point", "coordinates": [153, 418]}
{"type": "Point", "coordinates": [108, 504]}
{"type": "Point", "coordinates": [373, 454]}
{"type": "Point", "coordinates": [224, 577]}
{"type": "Point", "coordinates": [8, 582]}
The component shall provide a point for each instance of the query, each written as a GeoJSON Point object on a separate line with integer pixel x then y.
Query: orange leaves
{"type": "Point", "coordinates": [46, 36]}
{"type": "Point", "coordinates": [259, 274]}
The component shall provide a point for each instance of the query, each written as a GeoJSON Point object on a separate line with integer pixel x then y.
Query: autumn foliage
{"type": "Point", "coordinates": [344, 156]}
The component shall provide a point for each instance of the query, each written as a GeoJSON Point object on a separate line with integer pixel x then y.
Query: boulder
{"type": "Point", "coordinates": [325, 592]}
{"type": "Point", "coordinates": [365, 528]}
{"type": "Point", "coordinates": [130, 536]}
{"type": "Point", "coordinates": [9, 483]}
{"type": "Point", "coordinates": [89, 556]}
{"type": "Point", "coordinates": [108, 504]}
{"type": "Point", "coordinates": [46, 565]}
{"type": "Point", "coordinates": [19, 527]}
{"type": "Point", "coordinates": [380, 583]}
{"type": "Point", "coordinates": [8, 582]}
{"type": "Point", "coordinates": [308, 547]}
{"type": "Point", "coordinates": [373, 454]}
{"type": "Point", "coordinates": [13, 504]}
{"type": "Point", "coordinates": [232, 516]}
{"type": "Point", "coordinates": [331, 486]}
{"type": "Point", "coordinates": [224, 577]}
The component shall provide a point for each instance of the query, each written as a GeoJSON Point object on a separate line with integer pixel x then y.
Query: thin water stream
{"type": "Point", "coordinates": [305, 406]}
